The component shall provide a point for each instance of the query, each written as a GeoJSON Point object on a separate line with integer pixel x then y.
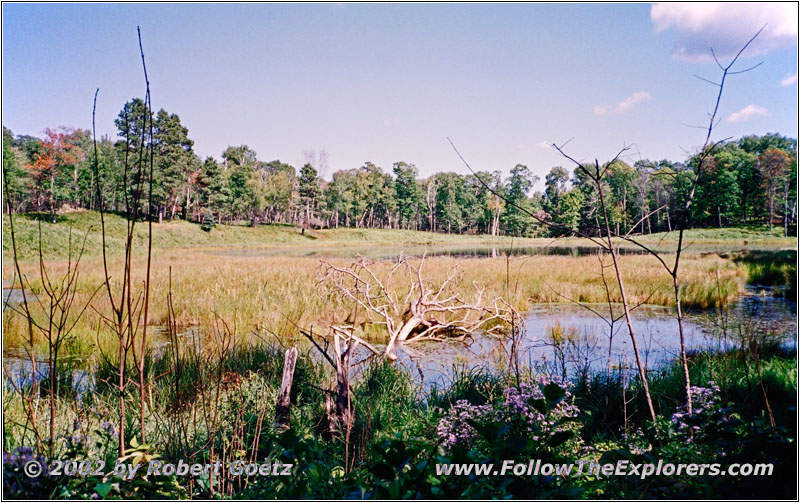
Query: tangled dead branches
{"type": "Point", "coordinates": [411, 308]}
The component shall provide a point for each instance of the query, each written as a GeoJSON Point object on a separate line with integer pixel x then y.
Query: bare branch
{"type": "Point", "coordinates": [706, 80]}
{"type": "Point", "coordinates": [425, 313]}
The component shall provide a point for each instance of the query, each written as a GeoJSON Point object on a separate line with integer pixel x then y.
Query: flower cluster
{"type": "Point", "coordinates": [518, 406]}
{"type": "Point", "coordinates": [108, 428]}
{"type": "Point", "coordinates": [13, 464]}
{"type": "Point", "coordinates": [637, 442]}
{"type": "Point", "coordinates": [705, 401]}
{"type": "Point", "coordinates": [19, 456]}
{"type": "Point", "coordinates": [453, 429]}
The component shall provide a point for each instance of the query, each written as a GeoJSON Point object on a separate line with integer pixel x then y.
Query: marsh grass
{"type": "Point", "coordinates": [210, 397]}
{"type": "Point", "coordinates": [775, 269]}
{"type": "Point", "coordinates": [601, 399]}
{"type": "Point", "coordinates": [730, 235]}
{"type": "Point", "coordinates": [388, 407]}
{"type": "Point", "coordinates": [386, 403]}
{"type": "Point", "coordinates": [273, 296]}
{"type": "Point", "coordinates": [473, 384]}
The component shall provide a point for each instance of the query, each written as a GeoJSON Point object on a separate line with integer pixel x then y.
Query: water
{"type": "Point", "coordinates": [13, 296]}
{"type": "Point", "coordinates": [392, 252]}
{"type": "Point", "coordinates": [19, 372]}
{"type": "Point", "coordinates": [458, 251]}
{"type": "Point", "coordinates": [585, 347]}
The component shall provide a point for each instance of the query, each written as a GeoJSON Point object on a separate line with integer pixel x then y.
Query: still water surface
{"type": "Point", "coordinates": [586, 344]}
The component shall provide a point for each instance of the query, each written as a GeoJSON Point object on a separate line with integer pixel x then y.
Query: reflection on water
{"type": "Point", "coordinates": [78, 372]}
{"type": "Point", "coordinates": [14, 296]}
{"type": "Point", "coordinates": [17, 366]}
{"type": "Point", "coordinates": [583, 336]}
{"type": "Point", "coordinates": [392, 252]}
{"type": "Point", "coordinates": [376, 251]}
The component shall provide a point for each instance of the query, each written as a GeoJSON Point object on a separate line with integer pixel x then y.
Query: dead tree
{"type": "Point", "coordinates": [605, 241]}
{"type": "Point", "coordinates": [685, 213]}
{"type": "Point", "coordinates": [129, 309]}
{"type": "Point", "coordinates": [284, 395]}
{"type": "Point", "coordinates": [339, 408]}
{"type": "Point", "coordinates": [597, 174]}
{"type": "Point", "coordinates": [411, 308]}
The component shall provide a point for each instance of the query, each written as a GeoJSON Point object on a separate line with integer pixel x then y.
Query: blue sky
{"type": "Point", "coordinates": [389, 82]}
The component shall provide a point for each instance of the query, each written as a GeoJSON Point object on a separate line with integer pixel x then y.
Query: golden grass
{"type": "Point", "coordinates": [182, 235]}
{"type": "Point", "coordinates": [271, 295]}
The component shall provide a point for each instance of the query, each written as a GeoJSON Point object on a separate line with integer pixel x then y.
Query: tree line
{"type": "Point", "coordinates": [749, 181]}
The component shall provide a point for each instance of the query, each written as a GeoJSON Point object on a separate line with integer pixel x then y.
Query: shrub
{"type": "Point", "coordinates": [208, 222]}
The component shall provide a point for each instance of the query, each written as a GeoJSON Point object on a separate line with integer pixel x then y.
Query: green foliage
{"type": "Point", "coordinates": [747, 182]}
{"type": "Point", "coordinates": [449, 201]}
{"type": "Point", "coordinates": [555, 185]}
{"type": "Point", "coordinates": [396, 443]}
{"type": "Point", "coordinates": [15, 178]}
{"type": "Point", "coordinates": [308, 188]}
{"type": "Point", "coordinates": [517, 217]}
{"type": "Point", "coordinates": [279, 181]}
{"type": "Point", "coordinates": [208, 222]}
{"type": "Point", "coordinates": [214, 192]}
{"type": "Point", "coordinates": [775, 269]}
{"type": "Point", "coordinates": [568, 211]}
{"type": "Point", "coordinates": [407, 194]}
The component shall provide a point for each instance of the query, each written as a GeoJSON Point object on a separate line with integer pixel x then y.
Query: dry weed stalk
{"type": "Point", "coordinates": [129, 312]}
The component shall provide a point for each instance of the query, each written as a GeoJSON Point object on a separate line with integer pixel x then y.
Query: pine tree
{"type": "Point", "coordinates": [309, 192]}
{"type": "Point", "coordinates": [215, 194]}
{"type": "Point", "coordinates": [208, 222]}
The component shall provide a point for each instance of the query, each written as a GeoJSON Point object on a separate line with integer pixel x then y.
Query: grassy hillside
{"type": "Point", "coordinates": [726, 235]}
{"type": "Point", "coordinates": [180, 234]}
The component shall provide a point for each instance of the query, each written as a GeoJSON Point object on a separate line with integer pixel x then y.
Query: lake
{"type": "Point", "coordinates": [585, 347]}
{"type": "Point", "coordinates": [589, 344]}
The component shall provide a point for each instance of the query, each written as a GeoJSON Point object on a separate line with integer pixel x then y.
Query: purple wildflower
{"type": "Point", "coordinates": [516, 406]}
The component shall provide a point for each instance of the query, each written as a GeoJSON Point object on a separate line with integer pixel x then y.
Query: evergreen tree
{"type": "Point", "coordinates": [517, 217]}
{"type": "Point", "coordinates": [215, 194]}
{"type": "Point", "coordinates": [309, 190]}
{"type": "Point", "coordinates": [174, 164]}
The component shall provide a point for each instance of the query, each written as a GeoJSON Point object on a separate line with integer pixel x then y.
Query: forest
{"type": "Point", "coordinates": [378, 334]}
{"type": "Point", "coordinates": [751, 181]}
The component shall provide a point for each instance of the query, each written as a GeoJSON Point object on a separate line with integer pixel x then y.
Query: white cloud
{"type": "Point", "coordinates": [747, 113]}
{"type": "Point", "coordinates": [601, 109]}
{"type": "Point", "coordinates": [726, 27]}
{"type": "Point", "coordinates": [624, 105]}
{"type": "Point", "coordinates": [539, 145]}
{"type": "Point", "coordinates": [390, 123]}
{"type": "Point", "coordinates": [789, 80]}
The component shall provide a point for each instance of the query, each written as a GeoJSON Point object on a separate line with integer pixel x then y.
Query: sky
{"type": "Point", "coordinates": [391, 82]}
